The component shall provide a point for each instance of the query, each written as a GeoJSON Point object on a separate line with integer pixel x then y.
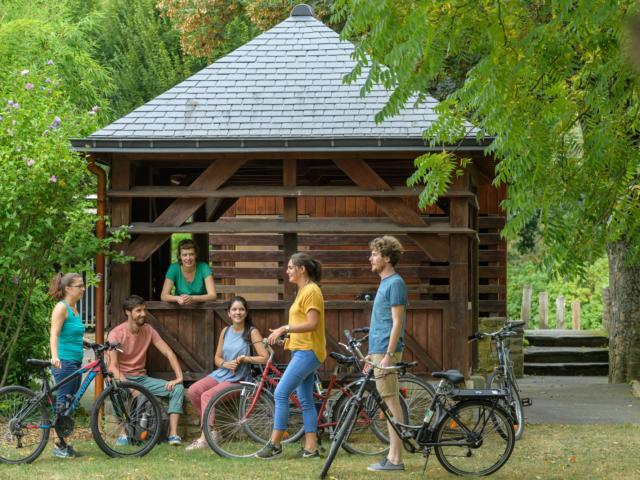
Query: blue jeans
{"type": "Point", "coordinates": [67, 367]}
{"type": "Point", "coordinates": [298, 376]}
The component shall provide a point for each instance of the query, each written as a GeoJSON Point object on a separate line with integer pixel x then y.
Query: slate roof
{"type": "Point", "coordinates": [283, 88]}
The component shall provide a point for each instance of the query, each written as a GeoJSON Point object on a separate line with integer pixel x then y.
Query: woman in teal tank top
{"type": "Point", "coordinates": [67, 332]}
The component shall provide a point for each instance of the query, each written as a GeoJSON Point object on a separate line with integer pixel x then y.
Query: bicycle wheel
{"type": "Point", "coordinates": [478, 438]}
{"type": "Point", "coordinates": [126, 420]}
{"type": "Point", "coordinates": [237, 423]}
{"type": "Point", "coordinates": [343, 429]}
{"type": "Point", "coordinates": [369, 435]}
{"type": "Point", "coordinates": [23, 433]}
{"type": "Point", "coordinates": [417, 394]}
{"type": "Point", "coordinates": [497, 380]}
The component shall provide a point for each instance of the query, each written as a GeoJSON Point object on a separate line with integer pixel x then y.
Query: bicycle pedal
{"type": "Point", "coordinates": [527, 402]}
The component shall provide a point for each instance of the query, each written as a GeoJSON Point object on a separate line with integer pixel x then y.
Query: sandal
{"type": "Point", "coordinates": [197, 444]}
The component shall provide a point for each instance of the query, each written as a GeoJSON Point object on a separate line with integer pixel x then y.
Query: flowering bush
{"type": "Point", "coordinates": [45, 215]}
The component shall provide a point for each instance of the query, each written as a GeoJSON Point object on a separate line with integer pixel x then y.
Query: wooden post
{"type": "Point", "coordinates": [575, 314]}
{"type": "Point", "coordinates": [560, 312]}
{"type": "Point", "coordinates": [525, 311]}
{"type": "Point", "coordinates": [605, 308]}
{"type": "Point", "coordinates": [544, 310]}
{"type": "Point", "coordinates": [290, 214]}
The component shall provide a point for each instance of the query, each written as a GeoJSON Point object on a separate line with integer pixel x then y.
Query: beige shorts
{"type": "Point", "coordinates": [386, 383]}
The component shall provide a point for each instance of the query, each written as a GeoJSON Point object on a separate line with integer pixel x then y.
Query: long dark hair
{"type": "Point", "coordinates": [312, 266]}
{"type": "Point", "coordinates": [248, 323]}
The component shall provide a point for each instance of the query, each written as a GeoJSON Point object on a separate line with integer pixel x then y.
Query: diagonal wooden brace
{"type": "Point", "coordinates": [182, 208]}
{"type": "Point", "coordinates": [436, 247]}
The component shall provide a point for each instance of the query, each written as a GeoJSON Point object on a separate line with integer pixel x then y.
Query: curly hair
{"type": "Point", "coordinates": [388, 246]}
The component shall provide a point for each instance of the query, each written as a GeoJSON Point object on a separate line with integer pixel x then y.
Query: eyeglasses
{"type": "Point", "coordinates": [78, 286]}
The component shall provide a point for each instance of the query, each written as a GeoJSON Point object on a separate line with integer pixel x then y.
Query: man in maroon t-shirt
{"type": "Point", "coordinates": [135, 336]}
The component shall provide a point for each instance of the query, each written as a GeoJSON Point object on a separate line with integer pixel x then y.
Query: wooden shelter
{"type": "Point", "coordinates": [267, 152]}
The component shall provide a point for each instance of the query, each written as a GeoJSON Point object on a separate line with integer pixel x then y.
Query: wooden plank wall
{"type": "Point", "coordinates": [197, 329]}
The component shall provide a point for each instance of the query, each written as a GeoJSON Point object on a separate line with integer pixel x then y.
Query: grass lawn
{"type": "Point", "coordinates": [545, 452]}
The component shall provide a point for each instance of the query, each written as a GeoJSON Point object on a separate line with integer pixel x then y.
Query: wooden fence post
{"type": "Point", "coordinates": [544, 310]}
{"type": "Point", "coordinates": [560, 312]}
{"type": "Point", "coordinates": [575, 314]}
{"type": "Point", "coordinates": [525, 311]}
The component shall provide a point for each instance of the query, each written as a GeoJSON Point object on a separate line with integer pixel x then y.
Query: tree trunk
{"type": "Point", "coordinates": [624, 316]}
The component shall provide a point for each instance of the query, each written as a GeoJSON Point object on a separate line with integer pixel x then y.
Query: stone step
{"type": "Point", "coordinates": [566, 338]}
{"type": "Point", "coordinates": [567, 369]}
{"type": "Point", "coordinates": [566, 354]}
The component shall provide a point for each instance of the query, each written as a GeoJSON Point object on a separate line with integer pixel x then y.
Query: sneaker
{"type": "Point", "coordinates": [174, 440]}
{"type": "Point", "coordinates": [73, 451]}
{"type": "Point", "coordinates": [304, 453]}
{"type": "Point", "coordinates": [197, 444]}
{"type": "Point", "coordinates": [269, 451]}
{"type": "Point", "coordinates": [122, 441]}
{"type": "Point", "coordinates": [385, 465]}
{"type": "Point", "coordinates": [62, 452]}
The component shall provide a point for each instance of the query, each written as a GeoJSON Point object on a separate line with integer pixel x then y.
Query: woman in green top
{"type": "Point", "coordinates": [65, 341]}
{"type": "Point", "coordinates": [193, 280]}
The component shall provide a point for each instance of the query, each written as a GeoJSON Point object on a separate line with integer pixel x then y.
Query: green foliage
{"type": "Point", "coordinates": [527, 270]}
{"type": "Point", "coordinates": [31, 32]}
{"type": "Point", "coordinates": [44, 211]}
{"type": "Point", "coordinates": [142, 51]}
{"type": "Point", "coordinates": [549, 81]}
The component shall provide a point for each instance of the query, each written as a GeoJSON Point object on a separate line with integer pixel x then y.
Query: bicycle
{"type": "Point", "coordinates": [503, 376]}
{"type": "Point", "coordinates": [125, 419]}
{"type": "Point", "coordinates": [473, 436]}
{"type": "Point", "coordinates": [242, 414]}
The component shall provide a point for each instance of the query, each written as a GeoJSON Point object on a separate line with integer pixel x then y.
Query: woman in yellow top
{"type": "Point", "coordinates": [308, 350]}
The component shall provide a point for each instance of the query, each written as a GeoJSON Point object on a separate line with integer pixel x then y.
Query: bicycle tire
{"type": "Point", "coordinates": [117, 425]}
{"type": "Point", "coordinates": [418, 395]}
{"type": "Point", "coordinates": [235, 435]}
{"type": "Point", "coordinates": [35, 428]}
{"type": "Point", "coordinates": [369, 435]}
{"type": "Point", "coordinates": [343, 428]}
{"type": "Point", "coordinates": [479, 435]}
{"type": "Point", "coordinates": [497, 380]}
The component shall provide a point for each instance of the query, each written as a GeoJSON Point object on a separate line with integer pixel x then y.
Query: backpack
{"type": "Point", "coordinates": [145, 420]}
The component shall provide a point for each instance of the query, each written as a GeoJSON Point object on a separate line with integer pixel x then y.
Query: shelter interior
{"type": "Point", "coordinates": [249, 212]}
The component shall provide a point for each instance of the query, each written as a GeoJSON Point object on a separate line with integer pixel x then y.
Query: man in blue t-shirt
{"type": "Point", "coordinates": [386, 336]}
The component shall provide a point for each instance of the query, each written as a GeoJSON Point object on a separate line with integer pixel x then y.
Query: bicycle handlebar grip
{"type": "Point", "coordinates": [348, 336]}
{"type": "Point", "coordinates": [360, 330]}
{"type": "Point", "coordinates": [87, 344]}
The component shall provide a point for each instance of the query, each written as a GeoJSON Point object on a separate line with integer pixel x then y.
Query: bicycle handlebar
{"type": "Point", "coordinates": [510, 329]}
{"type": "Point", "coordinates": [101, 347]}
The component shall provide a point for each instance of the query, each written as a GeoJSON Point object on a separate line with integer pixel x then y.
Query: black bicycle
{"type": "Point", "coordinates": [469, 430]}
{"type": "Point", "coordinates": [125, 421]}
{"type": "Point", "coordinates": [503, 376]}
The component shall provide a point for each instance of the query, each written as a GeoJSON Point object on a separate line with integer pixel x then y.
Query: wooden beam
{"type": "Point", "coordinates": [119, 283]}
{"type": "Point", "coordinates": [282, 305]}
{"type": "Point", "coordinates": [183, 354]}
{"type": "Point", "coordinates": [338, 226]}
{"type": "Point", "coordinates": [340, 288]}
{"type": "Point", "coordinates": [419, 352]}
{"type": "Point", "coordinates": [181, 209]}
{"type": "Point", "coordinates": [290, 214]}
{"type": "Point", "coordinates": [270, 191]}
{"type": "Point", "coordinates": [435, 247]}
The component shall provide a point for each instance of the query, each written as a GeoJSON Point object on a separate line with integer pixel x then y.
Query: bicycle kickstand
{"type": "Point", "coordinates": [426, 452]}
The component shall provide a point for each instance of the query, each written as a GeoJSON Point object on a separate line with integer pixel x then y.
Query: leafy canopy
{"type": "Point", "coordinates": [549, 80]}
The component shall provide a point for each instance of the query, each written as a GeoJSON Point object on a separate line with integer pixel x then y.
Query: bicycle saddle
{"type": "Point", "coordinates": [340, 358]}
{"type": "Point", "coordinates": [454, 376]}
{"type": "Point", "coordinates": [34, 362]}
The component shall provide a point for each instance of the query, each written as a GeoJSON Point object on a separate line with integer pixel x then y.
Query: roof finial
{"type": "Point", "coordinates": [302, 10]}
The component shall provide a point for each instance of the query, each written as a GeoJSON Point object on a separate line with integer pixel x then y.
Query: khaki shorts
{"type": "Point", "coordinates": [386, 383]}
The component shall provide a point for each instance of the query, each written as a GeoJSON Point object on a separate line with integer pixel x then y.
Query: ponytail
{"type": "Point", "coordinates": [312, 266]}
{"type": "Point", "coordinates": [60, 282]}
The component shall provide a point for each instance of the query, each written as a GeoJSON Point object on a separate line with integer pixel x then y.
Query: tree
{"type": "Point", "coordinates": [212, 28]}
{"type": "Point", "coordinates": [551, 83]}
{"type": "Point", "coordinates": [51, 89]}
{"type": "Point", "coordinates": [142, 50]}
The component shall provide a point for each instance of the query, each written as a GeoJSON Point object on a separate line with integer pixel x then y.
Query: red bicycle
{"type": "Point", "coordinates": [239, 419]}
